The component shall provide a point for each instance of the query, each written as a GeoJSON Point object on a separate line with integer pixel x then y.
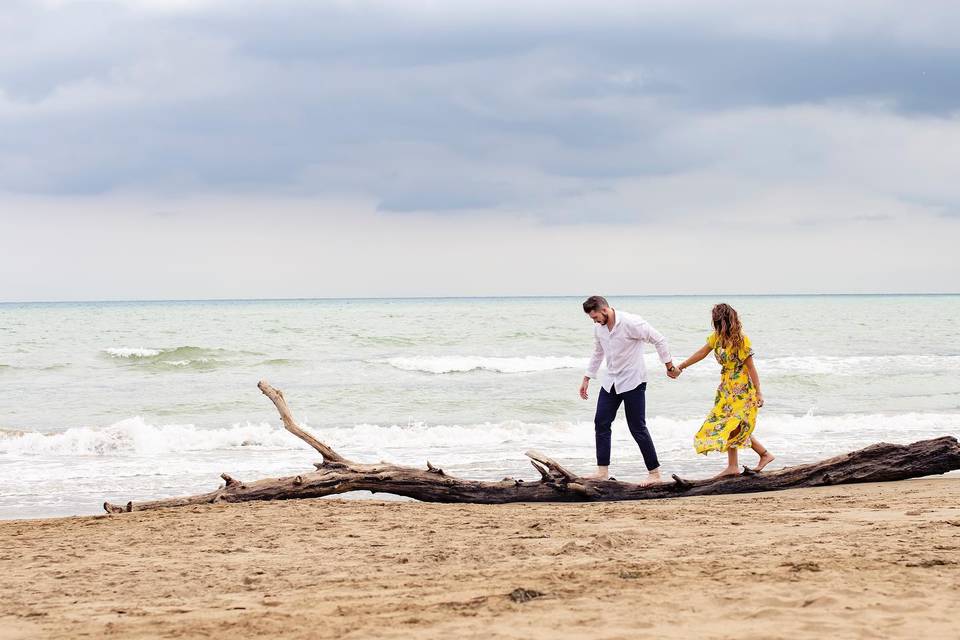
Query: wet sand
{"type": "Point", "coordinates": [863, 561]}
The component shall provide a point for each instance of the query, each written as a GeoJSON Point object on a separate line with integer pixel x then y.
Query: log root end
{"type": "Point", "coordinates": [231, 482]}
{"type": "Point", "coordinates": [115, 508]}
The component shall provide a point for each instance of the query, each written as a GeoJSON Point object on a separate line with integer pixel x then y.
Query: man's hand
{"type": "Point", "coordinates": [583, 387]}
{"type": "Point", "coordinates": [672, 372]}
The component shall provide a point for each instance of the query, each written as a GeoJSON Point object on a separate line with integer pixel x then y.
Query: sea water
{"type": "Point", "coordinates": [137, 400]}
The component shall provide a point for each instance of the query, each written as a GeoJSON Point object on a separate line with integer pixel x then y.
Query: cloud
{"type": "Point", "coordinates": [221, 96]}
{"type": "Point", "coordinates": [671, 117]}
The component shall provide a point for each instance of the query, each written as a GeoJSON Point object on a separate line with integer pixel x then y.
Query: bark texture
{"type": "Point", "coordinates": [336, 474]}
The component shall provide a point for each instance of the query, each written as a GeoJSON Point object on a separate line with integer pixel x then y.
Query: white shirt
{"type": "Point", "coordinates": [623, 348]}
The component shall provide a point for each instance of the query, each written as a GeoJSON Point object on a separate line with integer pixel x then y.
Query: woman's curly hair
{"type": "Point", "coordinates": [726, 322]}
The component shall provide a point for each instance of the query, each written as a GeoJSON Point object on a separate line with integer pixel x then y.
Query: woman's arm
{"type": "Point", "coordinates": [697, 357]}
{"type": "Point", "coordinates": [754, 378]}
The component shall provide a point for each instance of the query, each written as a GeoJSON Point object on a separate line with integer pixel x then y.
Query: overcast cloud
{"type": "Point", "coordinates": [165, 148]}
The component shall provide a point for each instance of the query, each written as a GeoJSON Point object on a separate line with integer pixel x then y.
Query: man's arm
{"type": "Point", "coordinates": [592, 367]}
{"type": "Point", "coordinates": [642, 330]}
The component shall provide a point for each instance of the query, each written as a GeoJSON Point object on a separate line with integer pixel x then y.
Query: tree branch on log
{"type": "Point", "coordinates": [329, 455]}
{"type": "Point", "coordinates": [336, 474]}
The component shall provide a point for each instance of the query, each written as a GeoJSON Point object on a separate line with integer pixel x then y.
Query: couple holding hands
{"type": "Point", "coordinates": [619, 337]}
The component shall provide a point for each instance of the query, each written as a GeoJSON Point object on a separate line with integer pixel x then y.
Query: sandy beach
{"type": "Point", "coordinates": [860, 561]}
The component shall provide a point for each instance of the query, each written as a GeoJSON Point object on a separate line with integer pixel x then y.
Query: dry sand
{"type": "Point", "coordinates": [870, 561]}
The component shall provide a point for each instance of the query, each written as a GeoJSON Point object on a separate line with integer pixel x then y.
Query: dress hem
{"type": "Point", "coordinates": [719, 450]}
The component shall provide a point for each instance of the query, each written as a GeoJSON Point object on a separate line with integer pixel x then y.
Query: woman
{"type": "Point", "coordinates": [731, 422]}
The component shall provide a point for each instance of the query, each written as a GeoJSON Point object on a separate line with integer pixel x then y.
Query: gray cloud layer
{"type": "Point", "coordinates": [445, 106]}
{"type": "Point", "coordinates": [776, 117]}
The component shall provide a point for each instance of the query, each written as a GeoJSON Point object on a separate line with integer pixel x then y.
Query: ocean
{"type": "Point", "coordinates": [127, 401]}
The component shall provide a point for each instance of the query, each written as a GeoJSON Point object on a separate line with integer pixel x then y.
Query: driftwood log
{"type": "Point", "coordinates": [336, 474]}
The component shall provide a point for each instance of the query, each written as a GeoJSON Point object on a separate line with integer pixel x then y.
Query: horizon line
{"type": "Point", "coordinates": [482, 297]}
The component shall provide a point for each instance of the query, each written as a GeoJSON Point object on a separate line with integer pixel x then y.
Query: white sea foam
{"type": "Point", "coordinates": [73, 471]}
{"type": "Point", "coordinates": [184, 356]}
{"type": "Point", "coordinates": [783, 365]}
{"type": "Point", "coordinates": [842, 365]}
{"type": "Point", "coordinates": [132, 352]}
{"type": "Point", "coordinates": [838, 427]}
{"type": "Point", "coordinates": [469, 437]}
{"type": "Point", "coordinates": [859, 365]}
{"type": "Point", "coordinates": [423, 435]}
{"type": "Point", "coordinates": [134, 436]}
{"type": "Point", "coordinates": [463, 364]}
{"type": "Point", "coordinates": [187, 363]}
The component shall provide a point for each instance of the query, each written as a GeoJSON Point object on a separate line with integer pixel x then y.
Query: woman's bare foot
{"type": "Point", "coordinates": [653, 477]}
{"type": "Point", "coordinates": [728, 472]}
{"type": "Point", "coordinates": [765, 459]}
{"type": "Point", "coordinates": [602, 473]}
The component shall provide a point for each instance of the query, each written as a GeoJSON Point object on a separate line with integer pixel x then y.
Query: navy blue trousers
{"type": "Point", "coordinates": [635, 405]}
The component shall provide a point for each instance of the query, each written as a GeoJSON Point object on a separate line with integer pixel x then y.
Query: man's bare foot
{"type": "Point", "coordinates": [765, 459]}
{"type": "Point", "coordinates": [602, 473]}
{"type": "Point", "coordinates": [728, 472]}
{"type": "Point", "coordinates": [653, 477]}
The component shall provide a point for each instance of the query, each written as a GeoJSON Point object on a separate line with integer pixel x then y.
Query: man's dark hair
{"type": "Point", "coordinates": [594, 303]}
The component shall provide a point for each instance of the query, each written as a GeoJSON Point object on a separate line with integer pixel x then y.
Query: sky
{"type": "Point", "coordinates": [175, 149]}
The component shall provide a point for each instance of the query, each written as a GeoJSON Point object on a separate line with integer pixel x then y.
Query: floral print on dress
{"type": "Point", "coordinates": [734, 414]}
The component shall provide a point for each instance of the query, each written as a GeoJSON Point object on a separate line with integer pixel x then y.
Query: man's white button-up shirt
{"type": "Point", "coordinates": [623, 348]}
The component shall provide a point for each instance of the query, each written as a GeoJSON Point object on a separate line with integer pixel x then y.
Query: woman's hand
{"type": "Point", "coordinates": [759, 399]}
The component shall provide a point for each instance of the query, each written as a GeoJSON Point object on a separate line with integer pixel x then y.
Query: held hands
{"type": "Point", "coordinates": [673, 372]}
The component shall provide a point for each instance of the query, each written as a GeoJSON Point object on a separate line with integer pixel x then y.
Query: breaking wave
{"type": "Point", "coordinates": [130, 352]}
{"type": "Point", "coordinates": [463, 364]}
{"type": "Point", "coordinates": [176, 357]}
{"type": "Point", "coordinates": [136, 436]}
{"type": "Point", "coordinates": [778, 365]}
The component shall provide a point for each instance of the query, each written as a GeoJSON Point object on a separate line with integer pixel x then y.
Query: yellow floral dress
{"type": "Point", "coordinates": [734, 413]}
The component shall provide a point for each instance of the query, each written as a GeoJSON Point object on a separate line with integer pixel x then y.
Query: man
{"type": "Point", "coordinates": [619, 337]}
